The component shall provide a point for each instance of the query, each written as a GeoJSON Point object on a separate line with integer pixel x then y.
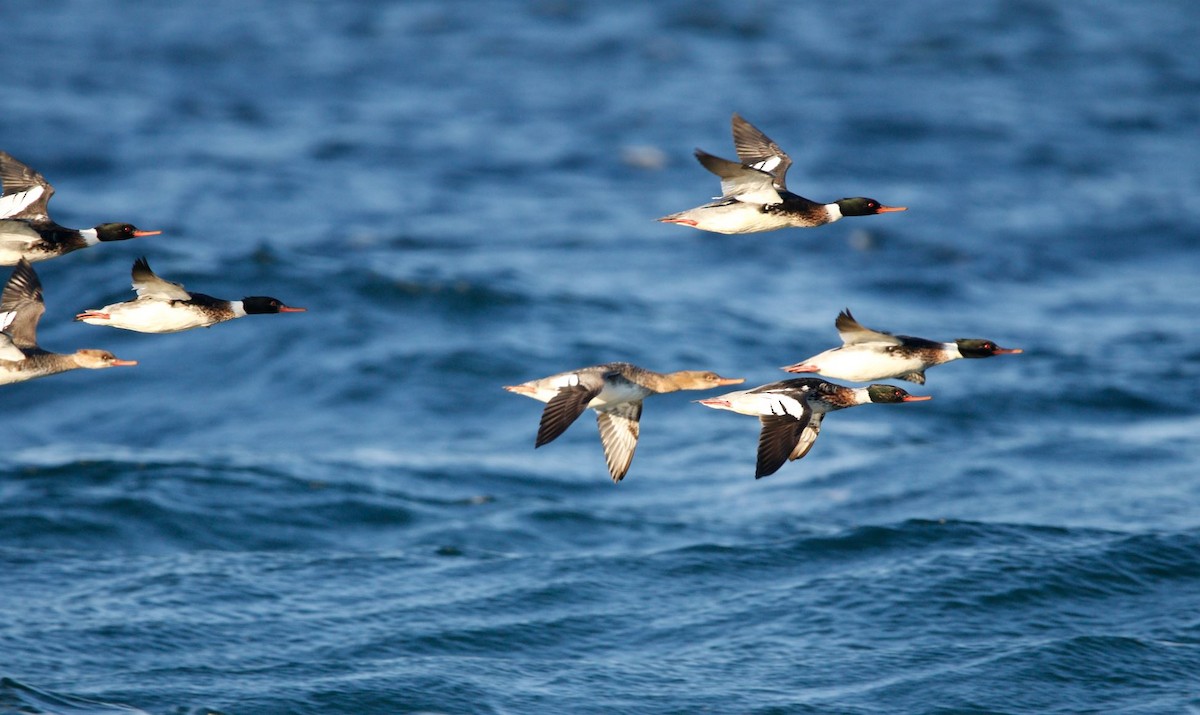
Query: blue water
{"type": "Point", "coordinates": [341, 511]}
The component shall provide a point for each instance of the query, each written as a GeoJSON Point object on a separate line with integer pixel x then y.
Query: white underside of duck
{"type": "Point", "coordinates": [155, 316]}
{"type": "Point", "coordinates": [741, 217]}
{"type": "Point", "coordinates": [867, 362]}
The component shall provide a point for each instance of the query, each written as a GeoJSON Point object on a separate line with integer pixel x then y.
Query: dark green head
{"type": "Point", "coordinates": [121, 232]}
{"type": "Point", "coordinates": [976, 348]}
{"type": "Point", "coordinates": [891, 393]}
{"type": "Point", "coordinates": [260, 305]}
{"type": "Point", "coordinates": [860, 206]}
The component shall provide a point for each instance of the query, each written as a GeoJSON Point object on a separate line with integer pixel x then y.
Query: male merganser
{"type": "Point", "coordinates": [26, 229]}
{"type": "Point", "coordinates": [165, 307]}
{"type": "Point", "coordinates": [868, 355]}
{"type": "Point", "coordinates": [791, 412]}
{"type": "Point", "coordinates": [21, 307]}
{"type": "Point", "coordinates": [615, 391]}
{"type": "Point", "coordinates": [754, 195]}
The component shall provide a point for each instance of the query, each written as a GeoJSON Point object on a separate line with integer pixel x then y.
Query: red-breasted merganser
{"type": "Point", "coordinates": [615, 391]}
{"type": "Point", "coordinates": [21, 307]}
{"type": "Point", "coordinates": [868, 355]}
{"type": "Point", "coordinates": [791, 412]}
{"type": "Point", "coordinates": [165, 307]}
{"type": "Point", "coordinates": [26, 229]}
{"type": "Point", "coordinates": [754, 195]}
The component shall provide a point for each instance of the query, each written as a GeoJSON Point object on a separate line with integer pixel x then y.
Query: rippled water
{"type": "Point", "coordinates": [341, 511]}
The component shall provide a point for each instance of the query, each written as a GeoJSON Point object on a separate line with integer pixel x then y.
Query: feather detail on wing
{"type": "Point", "coordinates": [757, 151]}
{"type": "Point", "coordinates": [26, 192]}
{"type": "Point", "coordinates": [741, 182]}
{"type": "Point", "coordinates": [563, 409]}
{"type": "Point", "coordinates": [149, 285]}
{"type": "Point", "coordinates": [808, 437]}
{"type": "Point", "coordinates": [22, 303]}
{"type": "Point", "coordinates": [12, 205]}
{"type": "Point", "coordinates": [619, 429]}
{"type": "Point", "coordinates": [853, 333]}
{"type": "Point", "coordinates": [779, 435]}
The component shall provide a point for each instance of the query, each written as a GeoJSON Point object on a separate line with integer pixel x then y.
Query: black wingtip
{"type": "Point", "coordinates": [766, 470]}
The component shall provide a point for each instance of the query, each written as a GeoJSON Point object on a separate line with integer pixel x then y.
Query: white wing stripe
{"type": "Point", "coordinates": [15, 203]}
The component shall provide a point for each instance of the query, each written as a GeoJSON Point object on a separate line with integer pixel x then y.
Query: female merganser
{"type": "Point", "coordinates": [868, 355]}
{"type": "Point", "coordinates": [754, 195]}
{"type": "Point", "coordinates": [615, 391]}
{"type": "Point", "coordinates": [791, 412]}
{"type": "Point", "coordinates": [26, 229]}
{"type": "Point", "coordinates": [21, 359]}
{"type": "Point", "coordinates": [165, 307]}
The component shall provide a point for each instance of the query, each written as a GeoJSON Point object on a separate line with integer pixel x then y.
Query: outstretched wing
{"type": "Point", "coordinates": [808, 437]}
{"type": "Point", "coordinates": [757, 151]}
{"type": "Point", "coordinates": [26, 192]}
{"type": "Point", "coordinates": [740, 182]}
{"type": "Point", "coordinates": [21, 306]}
{"type": "Point", "coordinates": [563, 409]}
{"type": "Point", "coordinates": [779, 439]}
{"type": "Point", "coordinates": [149, 285]}
{"type": "Point", "coordinates": [619, 429]}
{"type": "Point", "coordinates": [855, 334]}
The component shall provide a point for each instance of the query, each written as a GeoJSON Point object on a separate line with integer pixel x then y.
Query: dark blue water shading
{"type": "Point", "coordinates": [342, 511]}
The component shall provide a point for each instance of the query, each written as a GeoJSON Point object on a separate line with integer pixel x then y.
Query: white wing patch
{"type": "Point", "coordinates": [14, 203]}
{"type": "Point", "coordinates": [767, 165]}
{"type": "Point", "coordinates": [784, 405]}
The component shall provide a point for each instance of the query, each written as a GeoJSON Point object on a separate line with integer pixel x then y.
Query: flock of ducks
{"type": "Point", "coordinates": [28, 235]}
{"type": "Point", "coordinates": [754, 198]}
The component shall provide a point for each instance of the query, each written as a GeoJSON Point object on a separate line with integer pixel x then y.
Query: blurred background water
{"type": "Point", "coordinates": [341, 511]}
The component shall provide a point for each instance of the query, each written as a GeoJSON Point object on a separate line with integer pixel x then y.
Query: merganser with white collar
{"type": "Point", "coordinates": [867, 355]}
{"type": "Point", "coordinates": [754, 195]}
{"type": "Point", "coordinates": [21, 307]}
{"type": "Point", "coordinates": [615, 391]}
{"type": "Point", "coordinates": [26, 229]}
{"type": "Point", "coordinates": [791, 412]}
{"type": "Point", "coordinates": [165, 307]}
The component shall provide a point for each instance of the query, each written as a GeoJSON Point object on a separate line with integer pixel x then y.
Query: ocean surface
{"type": "Point", "coordinates": [341, 511]}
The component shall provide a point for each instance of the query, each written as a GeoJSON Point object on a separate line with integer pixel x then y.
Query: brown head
{"type": "Point", "coordinates": [97, 359]}
{"type": "Point", "coordinates": [700, 380]}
